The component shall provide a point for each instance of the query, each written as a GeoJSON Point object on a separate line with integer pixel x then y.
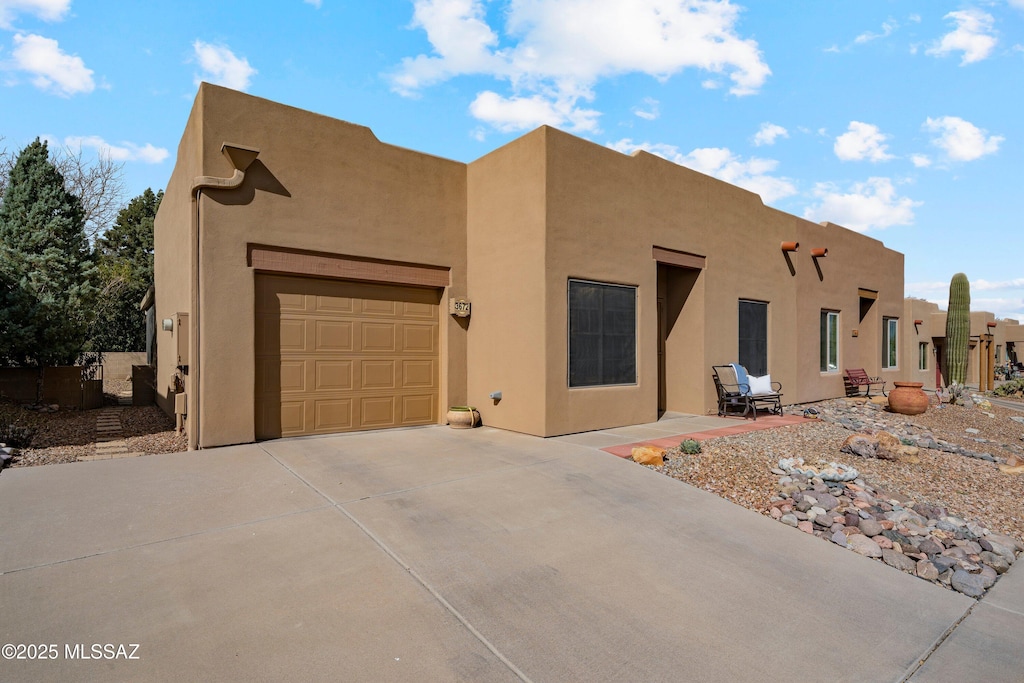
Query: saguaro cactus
{"type": "Point", "coordinates": [958, 329]}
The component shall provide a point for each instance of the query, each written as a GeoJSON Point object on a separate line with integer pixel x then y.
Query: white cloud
{"type": "Point", "coordinates": [51, 69]}
{"type": "Point", "coordinates": [866, 206]}
{"type": "Point", "coordinates": [650, 110]}
{"type": "Point", "coordinates": [986, 286]}
{"type": "Point", "coordinates": [559, 49]}
{"type": "Point", "coordinates": [47, 10]}
{"type": "Point", "coordinates": [862, 141]}
{"type": "Point", "coordinates": [126, 151]}
{"type": "Point", "coordinates": [1019, 4]}
{"type": "Point", "coordinates": [768, 133]}
{"type": "Point", "coordinates": [960, 139]}
{"type": "Point", "coordinates": [314, 3]}
{"type": "Point", "coordinates": [920, 160]}
{"type": "Point", "coordinates": [974, 36]}
{"type": "Point", "coordinates": [511, 114]}
{"type": "Point", "coordinates": [887, 28]}
{"type": "Point", "coordinates": [751, 174]}
{"type": "Point", "coordinates": [221, 66]}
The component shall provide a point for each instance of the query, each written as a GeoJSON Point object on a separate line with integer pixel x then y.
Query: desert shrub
{"type": "Point", "coordinates": [690, 447]}
{"type": "Point", "coordinates": [1012, 388]}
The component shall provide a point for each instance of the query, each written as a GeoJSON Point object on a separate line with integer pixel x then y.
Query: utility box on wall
{"type": "Point", "coordinates": [181, 336]}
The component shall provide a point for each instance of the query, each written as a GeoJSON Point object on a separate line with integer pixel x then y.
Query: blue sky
{"type": "Point", "coordinates": [897, 118]}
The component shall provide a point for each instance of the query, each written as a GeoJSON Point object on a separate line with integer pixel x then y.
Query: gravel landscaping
{"type": "Point", "coordinates": [66, 435]}
{"type": "Point", "coordinates": [959, 479]}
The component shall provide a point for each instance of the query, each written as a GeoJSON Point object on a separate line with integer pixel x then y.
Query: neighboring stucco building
{"type": "Point", "coordinates": [308, 271]}
{"type": "Point", "coordinates": [992, 341]}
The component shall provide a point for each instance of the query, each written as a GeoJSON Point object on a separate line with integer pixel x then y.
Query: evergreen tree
{"type": "Point", "coordinates": [126, 270]}
{"type": "Point", "coordinates": [47, 274]}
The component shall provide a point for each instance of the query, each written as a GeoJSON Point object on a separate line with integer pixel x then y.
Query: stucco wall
{"type": "Point", "coordinates": [606, 211]}
{"type": "Point", "coordinates": [834, 282]}
{"type": "Point", "coordinates": [173, 251]}
{"type": "Point", "coordinates": [318, 184]}
{"type": "Point", "coordinates": [513, 227]}
{"type": "Point", "coordinates": [506, 263]}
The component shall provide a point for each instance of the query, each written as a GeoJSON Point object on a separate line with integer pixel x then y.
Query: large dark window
{"type": "Point", "coordinates": [602, 334]}
{"type": "Point", "coordinates": [754, 337]}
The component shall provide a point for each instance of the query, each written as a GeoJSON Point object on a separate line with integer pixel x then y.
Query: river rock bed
{"type": "Point", "coordinates": [937, 507]}
{"type": "Point", "coordinates": [916, 538]}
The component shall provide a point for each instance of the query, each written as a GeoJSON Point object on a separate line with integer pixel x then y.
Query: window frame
{"type": "Point", "coordinates": [569, 333]}
{"type": "Point", "coordinates": [831, 336]}
{"type": "Point", "coordinates": [922, 355]}
{"type": "Point", "coordinates": [890, 343]}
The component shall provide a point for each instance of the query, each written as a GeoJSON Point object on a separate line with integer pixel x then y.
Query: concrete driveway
{"type": "Point", "coordinates": [437, 555]}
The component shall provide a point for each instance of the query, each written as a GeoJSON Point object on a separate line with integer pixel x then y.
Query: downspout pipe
{"type": "Point", "coordinates": [241, 157]}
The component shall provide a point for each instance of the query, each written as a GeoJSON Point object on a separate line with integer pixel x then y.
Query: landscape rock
{"type": "Point", "coordinates": [860, 446]}
{"type": "Point", "coordinates": [863, 545]}
{"type": "Point", "coordinates": [648, 455]}
{"type": "Point", "coordinates": [972, 585]}
{"type": "Point", "coordinates": [870, 527]}
{"type": "Point", "coordinates": [997, 562]}
{"type": "Point", "coordinates": [927, 571]}
{"type": "Point", "coordinates": [899, 561]}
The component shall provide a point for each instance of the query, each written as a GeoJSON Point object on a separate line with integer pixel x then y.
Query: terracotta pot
{"type": "Point", "coordinates": [463, 417]}
{"type": "Point", "coordinates": [908, 398]}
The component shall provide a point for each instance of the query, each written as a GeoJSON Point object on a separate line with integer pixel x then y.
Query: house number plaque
{"type": "Point", "coordinates": [460, 308]}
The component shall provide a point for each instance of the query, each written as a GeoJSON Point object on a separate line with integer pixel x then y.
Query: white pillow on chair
{"type": "Point", "coordinates": [759, 386]}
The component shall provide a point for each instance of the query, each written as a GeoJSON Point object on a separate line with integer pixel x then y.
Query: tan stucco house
{"type": "Point", "coordinates": [313, 279]}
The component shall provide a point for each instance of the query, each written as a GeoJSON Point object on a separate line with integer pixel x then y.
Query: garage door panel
{"type": "Point", "coordinates": [334, 375]}
{"type": "Point", "coordinates": [292, 376]}
{"type": "Point", "coordinates": [335, 356]}
{"type": "Point", "coordinates": [377, 411]}
{"type": "Point", "coordinates": [293, 418]}
{"type": "Point", "coordinates": [419, 338]}
{"type": "Point", "coordinates": [418, 310]}
{"type": "Point", "coordinates": [379, 307]}
{"type": "Point", "coordinates": [334, 304]}
{"type": "Point", "coordinates": [417, 409]}
{"type": "Point", "coordinates": [377, 374]}
{"type": "Point", "coordinates": [419, 374]}
{"type": "Point", "coordinates": [333, 415]}
{"type": "Point", "coordinates": [291, 335]}
{"type": "Point", "coordinates": [334, 335]}
{"type": "Point", "coordinates": [378, 337]}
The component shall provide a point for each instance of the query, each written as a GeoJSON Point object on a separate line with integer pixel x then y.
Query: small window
{"type": "Point", "coordinates": [922, 355]}
{"type": "Point", "coordinates": [753, 341]}
{"type": "Point", "coordinates": [829, 341]}
{"type": "Point", "coordinates": [602, 334]}
{"type": "Point", "coordinates": [999, 354]}
{"type": "Point", "coordinates": [889, 342]}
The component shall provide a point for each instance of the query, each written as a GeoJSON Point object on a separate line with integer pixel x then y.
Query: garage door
{"type": "Point", "coordinates": [336, 356]}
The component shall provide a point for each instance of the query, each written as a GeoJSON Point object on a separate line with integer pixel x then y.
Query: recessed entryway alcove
{"type": "Point", "coordinates": [680, 331]}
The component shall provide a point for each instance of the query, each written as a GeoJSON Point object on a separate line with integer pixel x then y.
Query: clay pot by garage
{"type": "Point", "coordinates": [908, 398]}
{"type": "Point", "coordinates": [463, 417]}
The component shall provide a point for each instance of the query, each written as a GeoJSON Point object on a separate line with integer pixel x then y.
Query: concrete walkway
{"type": "Point", "coordinates": [440, 555]}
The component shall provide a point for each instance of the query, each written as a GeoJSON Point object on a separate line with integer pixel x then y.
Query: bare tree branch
{"type": "Point", "coordinates": [98, 183]}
